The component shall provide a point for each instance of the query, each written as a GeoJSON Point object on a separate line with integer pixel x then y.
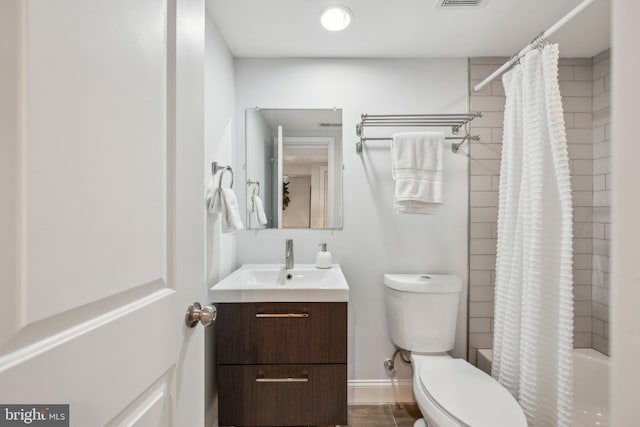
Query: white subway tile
{"type": "Point", "coordinates": [583, 73]}
{"type": "Point", "coordinates": [481, 293]}
{"type": "Point", "coordinates": [582, 293]}
{"type": "Point", "coordinates": [598, 230]}
{"type": "Point", "coordinates": [488, 214]}
{"type": "Point", "coordinates": [598, 86]}
{"type": "Point", "coordinates": [599, 182]}
{"type": "Point", "coordinates": [605, 54]}
{"type": "Point", "coordinates": [579, 136]}
{"type": "Point", "coordinates": [600, 344]}
{"type": "Point", "coordinates": [601, 247]}
{"type": "Point", "coordinates": [582, 340]}
{"type": "Point", "coordinates": [601, 101]}
{"type": "Point", "coordinates": [487, 103]}
{"type": "Point", "coordinates": [480, 340]}
{"type": "Point", "coordinates": [601, 166]}
{"type": "Point", "coordinates": [574, 104]}
{"type": "Point", "coordinates": [480, 325]}
{"type": "Point", "coordinates": [497, 88]}
{"type": "Point", "coordinates": [601, 68]}
{"type": "Point", "coordinates": [480, 278]}
{"type": "Point", "coordinates": [583, 120]}
{"type": "Point", "coordinates": [480, 183]}
{"type": "Point", "coordinates": [582, 246]}
{"type": "Point", "coordinates": [583, 230]}
{"type": "Point", "coordinates": [582, 167]}
{"type": "Point", "coordinates": [494, 119]}
{"type": "Point", "coordinates": [597, 278]}
{"type": "Point", "coordinates": [481, 71]}
{"type": "Point", "coordinates": [582, 198]}
{"type": "Point", "coordinates": [602, 214]}
{"type": "Point", "coordinates": [602, 198]}
{"type": "Point", "coordinates": [576, 88]}
{"type": "Point", "coordinates": [568, 120]}
{"type": "Point", "coordinates": [497, 134]}
{"type": "Point", "coordinates": [575, 61]}
{"type": "Point", "coordinates": [582, 278]}
{"type": "Point", "coordinates": [488, 60]}
{"type": "Point", "coordinates": [581, 183]}
{"type": "Point", "coordinates": [482, 262]}
{"type": "Point", "coordinates": [582, 308]}
{"type": "Point", "coordinates": [582, 214]}
{"type": "Point", "coordinates": [600, 311]}
{"type": "Point", "coordinates": [565, 72]}
{"type": "Point", "coordinates": [481, 309]}
{"type": "Point", "coordinates": [601, 149]}
{"type": "Point", "coordinates": [485, 91]}
{"type": "Point", "coordinates": [483, 133]}
{"type": "Point", "coordinates": [479, 230]}
{"type": "Point", "coordinates": [486, 151]}
{"type": "Point", "coordinates": [482, 247]}
{"type": "Point", "coordinates": [582, 323]}
{"type": "Point", "coordinates": [597, 326]}
{"type": "Point", "coordinates": [580, 151]}
{"type": "Point", "coordinates": [483, 198]}
{"type": "Point", "coordinates": [485, 167]}
{"type": "Point", "coordinates": [600, 263]}
{"type": "Point", "coordinates": [582, 261]}
{"type": "Point", "coordinates": [602, 117]}
{"type": "Point", "coordinates": [601, 296]}
{"type": "Point", "coordinates": [598, 133]}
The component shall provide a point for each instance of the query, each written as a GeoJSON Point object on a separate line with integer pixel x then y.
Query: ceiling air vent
{"type": "Point", "coordinates": [451, 3]}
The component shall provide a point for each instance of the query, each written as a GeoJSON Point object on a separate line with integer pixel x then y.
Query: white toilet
{"type": "Point", "coordinates": [421, 313]}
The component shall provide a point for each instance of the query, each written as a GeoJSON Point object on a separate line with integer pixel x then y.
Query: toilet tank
{"type": "Point", "coordinates": [422, 310]}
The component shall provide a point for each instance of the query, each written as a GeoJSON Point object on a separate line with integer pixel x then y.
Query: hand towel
{"type": "Point", "coordinates": [418, 170]}
{"type": "Point", "coordinates": [257, 210]}
{"type": "Point", "coordinates": [223, 201]}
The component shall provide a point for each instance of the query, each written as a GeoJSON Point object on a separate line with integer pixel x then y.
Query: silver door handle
{"type": "Point", "coordinates": [195, 314]}
{"type": "Point", "coordinates": [282, 380]}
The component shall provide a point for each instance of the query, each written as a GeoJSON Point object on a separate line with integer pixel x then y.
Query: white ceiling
{"type": "Point", "coordinates": [406, 28]}
{"type": "Point", "coordinates": [302, 119]}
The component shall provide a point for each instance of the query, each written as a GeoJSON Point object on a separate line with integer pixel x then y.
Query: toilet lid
{"type": "Point", "coordinates": [469, 395]}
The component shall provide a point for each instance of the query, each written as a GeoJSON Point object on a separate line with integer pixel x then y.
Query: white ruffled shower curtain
{"type": "Point", "coordinates": [533, 329]}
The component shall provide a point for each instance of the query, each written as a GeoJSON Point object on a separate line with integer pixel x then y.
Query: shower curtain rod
{"type": "Point", "coordinates": [542, 37]}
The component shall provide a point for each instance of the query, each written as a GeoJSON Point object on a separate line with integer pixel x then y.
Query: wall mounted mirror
{"type": "Point", "coordinates": [294, 165]}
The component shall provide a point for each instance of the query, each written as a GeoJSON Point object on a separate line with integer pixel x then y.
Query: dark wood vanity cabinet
{"type": "Point", "coordinates": [282, 364]}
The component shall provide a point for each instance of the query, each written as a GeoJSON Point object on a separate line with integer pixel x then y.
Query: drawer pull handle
{"type": "Point", "coordinates": [282, 380]}
{"type": "Point", "coordinates": [282, 315]}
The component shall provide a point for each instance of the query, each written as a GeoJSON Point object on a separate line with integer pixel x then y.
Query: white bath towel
{"type": "Point", "coordinates": [223, 201]}
{"type": "Point", "coordinates": [257, 210]}
{"type": "Point", "coordinates": [418, 170]}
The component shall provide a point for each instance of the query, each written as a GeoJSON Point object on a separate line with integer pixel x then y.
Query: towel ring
{"type": "Point", "coordinates": [226, 168]}
{"type": "Point", "coordinates": [256, 189]}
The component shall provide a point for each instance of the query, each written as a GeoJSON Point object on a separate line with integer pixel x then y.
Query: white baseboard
{"type": "Point", "coordinates": [380, 391]}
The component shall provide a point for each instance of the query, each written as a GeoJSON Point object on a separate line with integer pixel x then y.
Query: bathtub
{"type": "Point", "coordinates": [590, 385]}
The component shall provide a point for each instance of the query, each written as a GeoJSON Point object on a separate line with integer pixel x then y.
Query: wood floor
{"type": "Point", "coordinates": [385, 415]}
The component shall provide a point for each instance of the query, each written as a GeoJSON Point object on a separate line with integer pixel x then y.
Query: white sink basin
{"type": "Point", "coordinates": [272, 283]}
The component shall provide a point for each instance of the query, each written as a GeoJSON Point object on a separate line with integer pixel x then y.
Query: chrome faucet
{"type": "Point", "coordinates": [288, 254]}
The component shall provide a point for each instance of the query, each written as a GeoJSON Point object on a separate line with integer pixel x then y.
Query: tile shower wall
{"type": "Point", "coordinates": [576, 82]}
{"type": "Point", "coordinates": [601, 202]}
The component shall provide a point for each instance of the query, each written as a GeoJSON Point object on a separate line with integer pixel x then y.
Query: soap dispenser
{"type": "Point", "coordinates": [323, 259]}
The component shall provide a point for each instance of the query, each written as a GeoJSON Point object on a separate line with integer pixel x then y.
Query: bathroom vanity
{"type": "Point", "coordinates": [282, 363]}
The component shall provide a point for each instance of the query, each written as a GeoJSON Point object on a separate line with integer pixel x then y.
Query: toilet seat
{"type": "Point", "coordinates": [467, 395]}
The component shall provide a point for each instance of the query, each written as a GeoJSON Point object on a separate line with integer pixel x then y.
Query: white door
{"type": "Point", "coordinates": [102, 209]}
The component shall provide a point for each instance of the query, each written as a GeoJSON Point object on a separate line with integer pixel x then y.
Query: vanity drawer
{"type": "Point", "coordinates": [276, 333]}
{"type": "Point", "coordinates": [282, 395]}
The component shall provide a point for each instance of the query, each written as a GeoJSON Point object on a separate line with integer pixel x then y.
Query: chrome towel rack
{"type": "Point", "coordinates": [215, 168]}
{"type": "Point", "coordinates": [455, 121]}
{"type": "Point", "coordinates": [256, 189]}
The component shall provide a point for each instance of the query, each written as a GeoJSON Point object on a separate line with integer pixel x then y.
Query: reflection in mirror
{"type": "Point", "coordinates": [294, 168]}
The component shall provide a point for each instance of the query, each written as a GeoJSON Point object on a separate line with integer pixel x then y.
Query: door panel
{"type": "Point", "coordinates": [105, 211]}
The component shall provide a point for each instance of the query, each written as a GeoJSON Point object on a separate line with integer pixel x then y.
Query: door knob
{"type": "Point", "coordinates": [195, 313]}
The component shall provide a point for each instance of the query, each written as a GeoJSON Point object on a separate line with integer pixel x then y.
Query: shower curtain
{"type": "Point", "coordinates": [533, 329]}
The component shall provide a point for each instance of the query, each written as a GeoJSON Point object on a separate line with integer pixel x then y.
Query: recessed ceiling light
{"type": "Point", "coordinates": [336, 18]}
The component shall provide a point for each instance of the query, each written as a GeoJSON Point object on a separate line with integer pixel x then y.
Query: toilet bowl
{"type": "Point", "coordinates": [421, 313]}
